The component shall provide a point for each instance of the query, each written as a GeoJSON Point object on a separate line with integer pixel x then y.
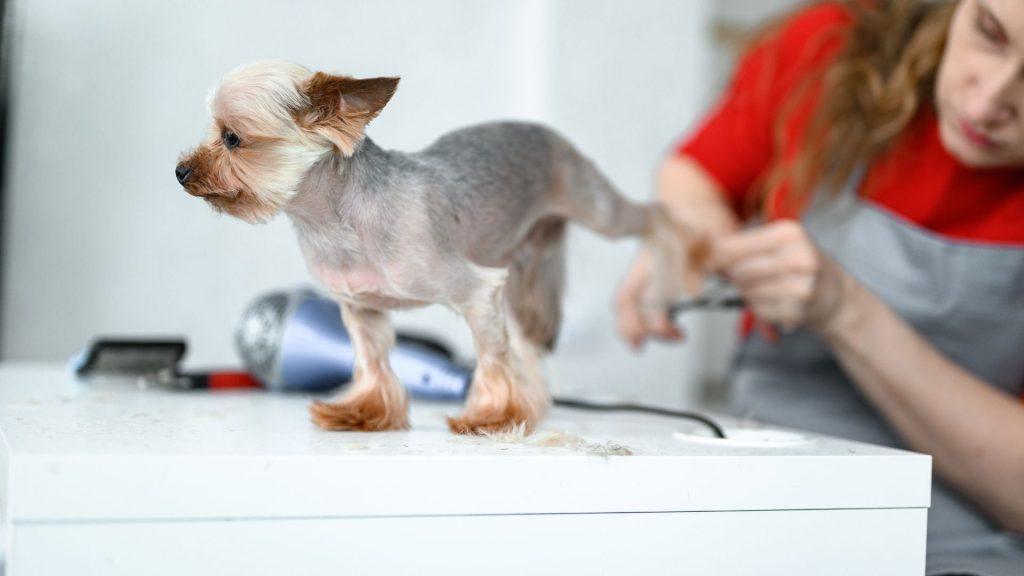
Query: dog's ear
{"type": "Point", "coordinates": [340, 107]}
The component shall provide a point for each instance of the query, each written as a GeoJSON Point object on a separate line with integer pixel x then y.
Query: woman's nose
{"type": "Point", "coordinates": [996, 99]}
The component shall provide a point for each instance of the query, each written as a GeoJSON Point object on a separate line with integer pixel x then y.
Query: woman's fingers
{"type": "Point", "coordinates": [790, 287]}
{"type": "Point", "coordinates": [636, 317]}
{"type": "Point", "coordinates": [629, 317]}
{"type": "Point", "coordinates": [728, 250]}
{"type": "Point", "coordinates": [798, 259]}
{"type": "Point", "coordinates": [659, 324]}
{"type": "Point", "coordinates": [782, 275]}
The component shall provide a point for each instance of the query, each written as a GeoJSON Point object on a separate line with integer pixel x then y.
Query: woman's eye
{"type": "Point", "coordinates": [988, 29]}
{"type": "Point", "coordinates": [230, 139]}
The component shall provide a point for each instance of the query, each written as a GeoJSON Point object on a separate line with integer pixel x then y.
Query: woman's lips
{"type": "Point", "coordinates": [976, 137]}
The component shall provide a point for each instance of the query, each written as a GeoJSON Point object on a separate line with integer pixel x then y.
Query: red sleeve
{"type": "Point", "coordinates": [735, 143]}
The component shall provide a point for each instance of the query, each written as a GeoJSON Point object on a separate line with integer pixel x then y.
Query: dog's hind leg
{"type": "Point", "coordinates": [507, 392]}
{"type": "Point", "coordinates": [375, 400]}
{"type": "Point", "coordinates": [536, 282]}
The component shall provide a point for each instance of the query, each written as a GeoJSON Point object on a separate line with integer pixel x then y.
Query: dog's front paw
{"type": "Point", "coordinates": [367, 410]}
{"type": "Point", "coordinates": [681, 254]}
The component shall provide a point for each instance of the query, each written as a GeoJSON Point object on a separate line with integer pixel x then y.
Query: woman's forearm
{"type": "Point", "coordinates": [974, 432]}
{"type": "Point", "coordinates": [693, 197]}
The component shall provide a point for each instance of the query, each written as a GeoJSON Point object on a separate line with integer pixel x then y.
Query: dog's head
{"type": "Point", "coordinates": [272, 122]}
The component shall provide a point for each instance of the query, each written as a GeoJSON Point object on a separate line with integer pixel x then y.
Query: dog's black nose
{"type": "Point", "coordinates": [183, 172]}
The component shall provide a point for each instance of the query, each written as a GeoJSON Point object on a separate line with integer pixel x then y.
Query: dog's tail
{"type": "Point", "coordinates": [536, 282]}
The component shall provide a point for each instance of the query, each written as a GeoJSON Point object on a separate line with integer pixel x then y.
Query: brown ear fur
{"type": "Point", "coordinates": [340, 107]}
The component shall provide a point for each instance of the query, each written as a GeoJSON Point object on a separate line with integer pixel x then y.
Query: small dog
{"type": "Point", "coordinates": [476, 222]}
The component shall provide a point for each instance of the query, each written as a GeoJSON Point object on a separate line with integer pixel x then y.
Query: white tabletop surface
{"type": "Point", "coordinates": [79, 451]}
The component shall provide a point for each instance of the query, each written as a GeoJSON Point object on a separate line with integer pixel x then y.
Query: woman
{"type": "Point", "coordinates": [882, 146]}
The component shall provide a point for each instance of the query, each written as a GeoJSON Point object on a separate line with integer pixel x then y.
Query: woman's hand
{"type": "Point", "coordinates": [637, 318]}
{"type": "Point", "coordinates": [786, 280]}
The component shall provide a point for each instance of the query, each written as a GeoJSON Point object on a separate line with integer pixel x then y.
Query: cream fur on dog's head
{"type": "Point", "coordinates": [272, 122]}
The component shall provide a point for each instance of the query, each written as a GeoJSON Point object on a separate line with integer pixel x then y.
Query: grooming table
{"type": "Point", "coordinates": [116, 480]}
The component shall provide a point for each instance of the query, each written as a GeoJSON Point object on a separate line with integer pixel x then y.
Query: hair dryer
{"type": "Point", "coordinates": [295, 340]}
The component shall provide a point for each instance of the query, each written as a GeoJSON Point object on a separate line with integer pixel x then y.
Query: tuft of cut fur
{"type": "Point", "coordinates": [559, 439]}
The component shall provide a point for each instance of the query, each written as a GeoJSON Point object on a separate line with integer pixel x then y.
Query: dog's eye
{"type": "Point", "coordinates": [231, 140]}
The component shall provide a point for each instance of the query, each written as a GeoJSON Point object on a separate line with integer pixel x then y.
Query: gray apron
{"type": "Point", "coordinates": [966, 298]}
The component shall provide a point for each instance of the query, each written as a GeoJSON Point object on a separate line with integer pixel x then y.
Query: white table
{"type": "Point", "coordinates": [111, 479]}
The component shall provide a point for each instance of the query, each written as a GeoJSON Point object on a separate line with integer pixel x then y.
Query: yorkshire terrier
{"type": "Point", "coordinates": [476, 222]}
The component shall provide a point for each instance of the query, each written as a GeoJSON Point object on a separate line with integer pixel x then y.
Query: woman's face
{"type": "Point", "coordinates": [980, 87]}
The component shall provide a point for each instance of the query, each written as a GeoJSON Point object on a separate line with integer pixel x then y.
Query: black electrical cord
{"type": "Point", "coordinates": [411, 339]}
{"type": "Point", "coordinates": [714, 427]}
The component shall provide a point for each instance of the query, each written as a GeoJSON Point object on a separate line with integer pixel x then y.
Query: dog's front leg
{"type": "Point", "coordinates": [508, 389]}
{"type": "Point", "coordinates": [375, 400]}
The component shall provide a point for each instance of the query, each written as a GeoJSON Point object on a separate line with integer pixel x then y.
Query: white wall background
{"type": "Point", "coordinates": [101, 240]}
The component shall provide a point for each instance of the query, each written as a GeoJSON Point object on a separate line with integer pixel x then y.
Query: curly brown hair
{"type": "Point", "coordinates": [878, 82]}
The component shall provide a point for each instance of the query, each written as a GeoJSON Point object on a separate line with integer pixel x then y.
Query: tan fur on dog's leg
{"type": "Point", "coordinates": [376, 399]}
{"type": "Point", "coordinates": [529, 357]}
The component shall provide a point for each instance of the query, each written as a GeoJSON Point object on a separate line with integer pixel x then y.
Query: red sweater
{"type": "Point", "coordinates": [916, 180]}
